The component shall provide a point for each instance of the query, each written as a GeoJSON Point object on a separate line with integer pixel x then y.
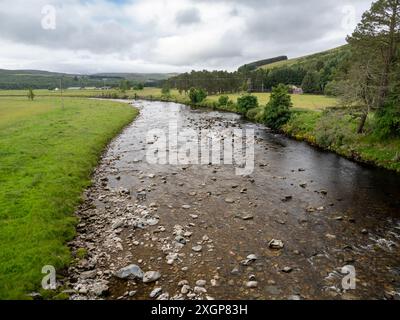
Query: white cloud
{"type": "Point", "coordinates": [166, 36]}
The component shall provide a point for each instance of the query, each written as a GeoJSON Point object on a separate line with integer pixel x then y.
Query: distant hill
{"type": "Point", "coordinates": [37, 79]}
{"type": "Point", "coordinates": [306, 61]}
{"type": "Point", "coordinates": [254, 65]}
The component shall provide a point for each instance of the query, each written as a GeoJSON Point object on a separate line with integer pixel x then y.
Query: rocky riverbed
{"type": "Point", "coordinates": [285, 231]}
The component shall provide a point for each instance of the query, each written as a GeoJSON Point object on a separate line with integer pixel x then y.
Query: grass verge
{"type": "Point", "coordinates": [46, 158]}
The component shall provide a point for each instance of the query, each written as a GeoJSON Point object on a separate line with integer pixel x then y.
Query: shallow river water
{"type": "Point", "coordinates": [327, 211]}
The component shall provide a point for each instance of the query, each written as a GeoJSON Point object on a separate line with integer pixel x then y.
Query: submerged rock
{"type": "Point", "coordinates": [130, 272]}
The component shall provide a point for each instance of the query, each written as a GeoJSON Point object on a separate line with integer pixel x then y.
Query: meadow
{"type": "Point", "coordinates": [305, 101]}
{"type": "Point", "coordinates": [47, 155]}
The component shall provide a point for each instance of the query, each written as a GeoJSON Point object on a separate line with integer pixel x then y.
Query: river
{"type": "Point", "coordinates": [206, 222]}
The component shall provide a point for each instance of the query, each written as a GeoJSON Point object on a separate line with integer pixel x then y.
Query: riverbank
{"type": "Point", "coordinates": [47, 156]}
{"type": "Point", "coordinates": [329, 129]}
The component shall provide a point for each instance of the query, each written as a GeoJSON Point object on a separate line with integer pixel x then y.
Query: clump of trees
{"type": "Point", "coordinates": [277, 112]}
{"type": "Point", "coordinates": [197, 95]}
{"type": "Point", "coordinates": [247, 102]}
{"type": "Point", "coordinates": [312, 83]}
{"type": "Point", "coordinates": [139, 86]}
{"type": "Point", "coordinates": [124, 86]}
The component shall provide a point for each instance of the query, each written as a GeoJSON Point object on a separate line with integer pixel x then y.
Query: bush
{"type": "Point", "coordinates": [246, 102]}
{"type": "Point", "coordinates": [31, 95]}
{"type": "Point", "coordinates": [255, 114]}
{"type": "Point", "coordinates": [277, 112]}
{"type": "Point", "coordinates": [332, 89]}
{"type": "Point", "coordinates": [197, 95]}
{"type": "Point", "coordinates": [166, 91]}
{"type": "Point", "coordinates": [388, 121]}
{"type": "Point", "coordinates": [223, 101]}
{"type": "Point", "coordinates": [335, 129]}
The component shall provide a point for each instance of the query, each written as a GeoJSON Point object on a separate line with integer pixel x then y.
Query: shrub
{"type": "Point", "coordinates": [335, 129]}
{"type": "Point", "coordinates": [388, 121]}
{"type": "Point", "coordinates": [223, 101]}
{"type": "Point", "coordinates": [166, 91]}
{"type": "Point", "coordinates": [255, 114]}
{"type": "Point", "coordinates": [246, 102]}
{"type": "Point", "coordinates": [31, 95]}
{"type": "Point", "coordinates": [197, 95]}
{"type": "Point", "coordinates": [277, 112]}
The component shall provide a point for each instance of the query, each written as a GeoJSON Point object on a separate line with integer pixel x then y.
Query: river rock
{"type": "Point", "coordinates": [276, 244]}
{"type": "Point", "coordinates": [155, 293]}
{"type": "Point", "coordinates": [130, 272]}
{"type": "Point", "coordinates": [197, 248]}
{"type": "Point", "coordinates": [201, 283]}
{"type": "Point", "coordinates": [185, 289]}
{"type": "Point", "coordinates": [151, 276]}
{"type": "Point", "coordinates": [199, 290]}
{"type": "Point", "coordinates": [100, 289]}
{"type": "Point", "coordinates": [287, 269]}
{"type": "Point", "coordinates": [252, 284]}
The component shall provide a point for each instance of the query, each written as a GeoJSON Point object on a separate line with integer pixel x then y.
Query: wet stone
{"type": "Point", "coordinates": [130, 272]}
{"type": "Point", "coordinates": [151, 276]}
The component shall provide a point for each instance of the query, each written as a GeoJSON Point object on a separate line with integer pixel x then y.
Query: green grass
{"type": "Point", "coordinates": [78, 93]}
{"type": "Point", "coordinates": [304, 101]}
{"type": "Point", "coordinates": [46, 158]}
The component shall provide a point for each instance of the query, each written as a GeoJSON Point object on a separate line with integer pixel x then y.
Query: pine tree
{"type": "Point", "coordinates": [375, 47]}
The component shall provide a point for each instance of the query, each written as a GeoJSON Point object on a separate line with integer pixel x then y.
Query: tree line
{"type": "Point", "coordinates": [365, 73]}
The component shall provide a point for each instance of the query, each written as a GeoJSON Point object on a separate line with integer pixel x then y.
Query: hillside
{"type": "Point", "coordinates": [308, 60]}
{"type": "Point", "coordinates": [37, 79]}
{"type": "Point", "coordinates": [254, 65]}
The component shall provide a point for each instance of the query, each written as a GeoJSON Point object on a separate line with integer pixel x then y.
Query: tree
{"type": "Point", "coordinates": [277, 112]}
{"type": "Point", "coordinates": [223, 101]}
{"type": "Point", "coordinates": [375, 52]}
{"type": "Point", "coordinates": [31, 94]}
{"type": "Point", "coordinates": [124, 85]}
{"type": "Point", "coordinates": [197, 95]}
{"type": "Point", "coordinates": [247, 102]}
{"type": "Point", "coordinates": [166, 91]}
{"type": "Point", "coordinates": [139, 86]}
{"type": "Point", "coordinates": [311, 83]}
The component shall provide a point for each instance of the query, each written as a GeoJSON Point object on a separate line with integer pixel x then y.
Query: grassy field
{"type": "Point", "coordinates": [46, 158]}
{"type": "Point", "coordinates": [78, 93]}
{"type": "Point", "coordinates": [306, 101]}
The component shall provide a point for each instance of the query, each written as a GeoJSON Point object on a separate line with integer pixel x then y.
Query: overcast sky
{"type": "Point", "coordinates": [89, 36]}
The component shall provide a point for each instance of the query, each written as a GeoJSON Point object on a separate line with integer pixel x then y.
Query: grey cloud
{"type": "Point", "coordinates": [188, 16]}
{"type": "Point", "coordinates": [267, 28]}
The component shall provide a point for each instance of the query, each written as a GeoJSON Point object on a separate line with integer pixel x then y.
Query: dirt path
{"type": "Point", "coordinates": [205, 232]}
